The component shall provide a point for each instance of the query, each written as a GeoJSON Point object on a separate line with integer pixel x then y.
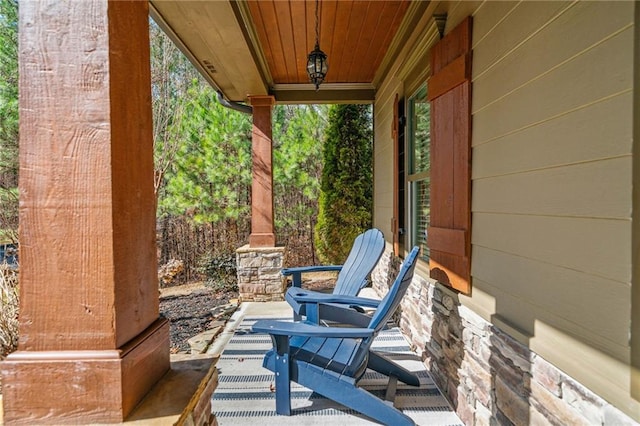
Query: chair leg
{"type": "Point", "coordinates": [387, 367]}
{"type": "Point", "coordinates": [392, 387]}
{"type": "Point", "coordinates": [283, 385]}
{"type": "Point", "coordinates": [362, 401]}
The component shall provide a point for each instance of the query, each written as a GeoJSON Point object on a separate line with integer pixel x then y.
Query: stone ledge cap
{"type": "Point", "coordinates": [247, 249]}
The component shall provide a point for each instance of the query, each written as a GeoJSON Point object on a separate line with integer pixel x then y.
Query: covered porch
{"type": "Point", "coordinates": [542, 325]}
{"type": "Point", "coordinates": [91, 337]}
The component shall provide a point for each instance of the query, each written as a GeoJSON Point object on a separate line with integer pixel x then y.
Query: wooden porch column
{"type": "Point", "coordinates": [91, 340]}
{"type": "Point", "coordinates": [262, 229]}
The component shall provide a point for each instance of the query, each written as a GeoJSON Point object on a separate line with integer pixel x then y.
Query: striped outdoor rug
{"type": "Point", "coordinates": [244, 394]}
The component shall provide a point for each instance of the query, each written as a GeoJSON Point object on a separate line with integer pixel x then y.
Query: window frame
{"type": "Point", "coordinates": [412, 178]}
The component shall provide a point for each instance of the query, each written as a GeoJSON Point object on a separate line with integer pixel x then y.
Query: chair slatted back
{"type": "Point", "coordinates": [383, 313]}
{"type": "Point", "coordinates": [363, 257]}
{"type": "Point", "coordinates": [390, 303]}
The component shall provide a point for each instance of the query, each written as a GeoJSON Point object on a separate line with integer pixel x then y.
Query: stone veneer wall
{"type": "Point", "coordinates": [259, 277]}
{"type": "Point", "coordinates": [489, 377]}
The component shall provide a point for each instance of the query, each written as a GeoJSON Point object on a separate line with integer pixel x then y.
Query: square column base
{"type": "Point", "coordinates": [257, 240]}
{"type": "Point", "coordinates": [83, 386]}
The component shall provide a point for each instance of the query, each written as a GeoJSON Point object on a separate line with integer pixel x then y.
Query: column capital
{"type": "Point", "coordinates": [262, 100]}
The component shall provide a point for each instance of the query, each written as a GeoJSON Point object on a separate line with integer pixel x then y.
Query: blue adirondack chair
{"type": "Point", "coordinates": [352, 277]}
{"type": "Point", "coordinates": [331, 360]}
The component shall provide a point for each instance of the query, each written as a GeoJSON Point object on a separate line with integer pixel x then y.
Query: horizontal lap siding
{"type": "Point", "coordinates": [581, 189]}
{"type": "Point", "coordinates": [586, 79]}
{"type": "Point", "coordinates": [581, 358]}
{"type": "Point", "coordinates": [552, 174]}
{"type": "Point", "coordinates": [507, 28]}
{"type": "Point", "coordinates": [552, 298]}
{"type": "Point", "coordinates": [459, 10]}
{"type": "Point", "coordinates": [383, 158]}
{"type": "Point", "coordinates": [546, 145]}
{"type": "Point", "coordinates": [594, 246]}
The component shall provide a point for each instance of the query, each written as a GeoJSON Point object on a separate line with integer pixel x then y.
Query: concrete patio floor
{"type": "Point", "coordinates": [245, 395]}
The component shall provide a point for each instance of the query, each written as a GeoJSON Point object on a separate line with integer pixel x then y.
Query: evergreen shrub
{"type": "Point", "coordinates": [219, 271]}
{"type": "Point", "coordinates": [346, 190]}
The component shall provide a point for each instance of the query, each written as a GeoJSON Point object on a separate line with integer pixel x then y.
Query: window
{"type": "Point", "coordinates": [418, 170]}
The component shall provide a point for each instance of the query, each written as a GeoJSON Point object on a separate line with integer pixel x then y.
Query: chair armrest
{"type": "Point", "coordinates": [307, 296]}
{"type": "Point", "coordinates": [297, 272]}
{"type": "Point", "coordinates": [303, 269]}
{"type": "Point", "coordinates": [282, 328]}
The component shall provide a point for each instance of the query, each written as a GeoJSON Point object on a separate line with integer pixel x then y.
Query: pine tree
{"type": "Point", "coordinates": [8, 120]}
{"type": "Point", "coordinates": [298, 132]}
{"type": "Point", "coordinates": [210, 177]}
{"type": "Point", "coordinates": [345, 205]}
{"type": "Point", "coordinates": [171, 77]}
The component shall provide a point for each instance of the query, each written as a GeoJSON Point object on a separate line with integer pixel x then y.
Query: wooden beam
{"type": "Point", "coordinates": [329, 93]}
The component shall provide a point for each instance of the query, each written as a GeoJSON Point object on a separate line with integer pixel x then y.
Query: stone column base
{"type": "Point", "coordinates": [259, 277]}
{"type": "Point", "coordinates": [83, 386]}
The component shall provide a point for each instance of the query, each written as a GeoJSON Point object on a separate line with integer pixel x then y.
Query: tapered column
{"type": "Point", "coordinates": [91, 340]}
{"type": "Point", "coordinates": [262, 229]}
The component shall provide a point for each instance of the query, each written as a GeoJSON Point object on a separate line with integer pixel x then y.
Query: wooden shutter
{"type": "Point", "coordinates": [397, 133]}
{"type": "Point", "coordinates": [449, 90]}
{"type": "Point", "coordinates": [394, 219]}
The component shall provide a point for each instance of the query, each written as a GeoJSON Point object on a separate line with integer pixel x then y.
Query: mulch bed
{"type": "Point", "coordinates": [190, 314]}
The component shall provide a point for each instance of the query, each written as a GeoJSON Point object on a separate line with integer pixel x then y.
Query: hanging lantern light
{"type": "Point", "coordinates": [317, 65]}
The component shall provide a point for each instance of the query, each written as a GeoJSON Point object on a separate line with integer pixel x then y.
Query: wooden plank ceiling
{"type": "Point", "coordinates": [355, 35]}
{"type": "Point", "coordinates": [257, 47]}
